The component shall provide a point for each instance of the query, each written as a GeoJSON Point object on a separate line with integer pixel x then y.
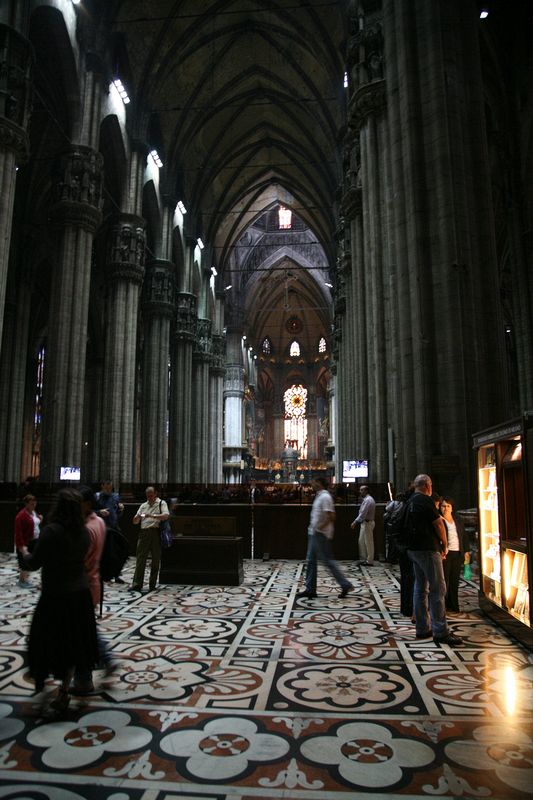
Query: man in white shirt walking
{"type": "Point", "coordinates": [320, 534]}
{"type": "Point", "coordinates": [366, 518]}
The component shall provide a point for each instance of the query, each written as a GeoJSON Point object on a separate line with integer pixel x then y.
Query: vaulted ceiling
{"type": "Point", "coordinates": [247, 105]}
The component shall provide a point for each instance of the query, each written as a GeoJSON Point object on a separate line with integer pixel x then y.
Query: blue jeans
{"type": "Point", "coordinates": [429, 592]}
{"type": "Point", "coordinates": [319, 548]}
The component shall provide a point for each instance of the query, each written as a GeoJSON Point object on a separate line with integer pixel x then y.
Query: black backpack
{"type": "Point", "coordinates": [114, 555]}
{"type": "Point", "coordinates": [399, 525]}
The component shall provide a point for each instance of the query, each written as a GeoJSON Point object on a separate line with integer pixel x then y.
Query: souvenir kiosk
{"type": "Point", "coordinates": [505, 501]}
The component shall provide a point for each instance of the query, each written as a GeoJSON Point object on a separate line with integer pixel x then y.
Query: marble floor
{"type": "Point", "coordinates": [245, 692]}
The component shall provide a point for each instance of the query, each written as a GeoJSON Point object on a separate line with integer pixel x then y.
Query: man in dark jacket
{"type": "Point", "coordinates": [427, 547]}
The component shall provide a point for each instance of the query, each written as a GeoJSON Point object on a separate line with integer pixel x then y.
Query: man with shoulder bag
{"type": "Point", "coordinates": [149, 514]}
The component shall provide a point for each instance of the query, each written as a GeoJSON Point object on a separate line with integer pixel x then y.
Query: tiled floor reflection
{"type": "Point", "coordinates": [244, 692]}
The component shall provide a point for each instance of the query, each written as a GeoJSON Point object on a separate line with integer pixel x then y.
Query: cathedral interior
{"type": "Point", "coordinates": [230, 229]}
{"type": "Point", "coordinates": [244, 239]}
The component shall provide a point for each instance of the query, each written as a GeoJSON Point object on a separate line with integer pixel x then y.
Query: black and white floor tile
{"type": "Point", "coordinates": [234, 693]}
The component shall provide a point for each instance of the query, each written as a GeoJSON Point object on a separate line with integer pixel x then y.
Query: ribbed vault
{"type": "Point", "coordinates": [248, 99]}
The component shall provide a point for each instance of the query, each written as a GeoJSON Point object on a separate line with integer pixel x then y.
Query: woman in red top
{"type": "Point", "coordinates": [27, 526]}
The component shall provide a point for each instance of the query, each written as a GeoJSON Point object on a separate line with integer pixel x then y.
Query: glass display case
{"type": "Point", "coordinates": [505, 524]}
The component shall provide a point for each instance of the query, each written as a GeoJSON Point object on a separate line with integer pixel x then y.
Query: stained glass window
{"type": "Point", "coordinates": [294, 349]}
{"type": "Point", "coordinates": [295, 400]}
{"type": "Point", "coordinates": [266, 346]}
{"type": "Point", "coordinates": [322, 345]}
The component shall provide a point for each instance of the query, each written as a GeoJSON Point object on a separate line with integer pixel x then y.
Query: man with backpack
{"type": "Point", "coordinates": [393, 512]}
{"type": "Point", "coordinates": [427, 547]}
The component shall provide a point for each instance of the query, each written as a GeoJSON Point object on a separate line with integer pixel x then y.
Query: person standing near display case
{"type": "Point", "coordinates": [457, 544]}
{"type": "Point", "coordinates": [427, 547]}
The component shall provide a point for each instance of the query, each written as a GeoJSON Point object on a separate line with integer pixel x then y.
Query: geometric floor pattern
{"type": "Point", "coordinates": [245, 693]}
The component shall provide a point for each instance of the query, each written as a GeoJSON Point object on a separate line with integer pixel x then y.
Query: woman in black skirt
{"type": "Point", "coordinates": [63, 629]}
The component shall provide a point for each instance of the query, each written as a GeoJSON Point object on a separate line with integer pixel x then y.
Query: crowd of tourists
{"type": "Point", "coordinates": [74, 550]}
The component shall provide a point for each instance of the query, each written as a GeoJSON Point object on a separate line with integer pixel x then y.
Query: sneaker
{"type": "Point", "coordinates": [309, 595]}
{"type": "Point", "coordinates": [345, 591]}
{"type": "Point", "coordinates": [425, 635]}
{"type": "Point", "coordinates": [133, 588]}
{"type": "Point", "coordinates": [450, 639]}
{"type": "Point", "coordinates": [119, 580]}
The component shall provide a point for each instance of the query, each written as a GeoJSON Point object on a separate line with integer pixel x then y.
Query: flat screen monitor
{"type": "Point", "coordinates": [351, 470]}
{"type": "Point", "coordinates": [69, 473]}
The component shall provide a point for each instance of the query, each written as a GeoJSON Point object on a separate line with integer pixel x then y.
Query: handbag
{"type": "Point", "coordinates": [165, 532]}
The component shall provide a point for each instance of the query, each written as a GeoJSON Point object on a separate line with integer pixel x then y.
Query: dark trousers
{"type": "Point", "coordinates": [407, 583]}
{"type": "Point", "coordinates": [319, 548]}
{"type": "Point", "coordinates": [148, 543]}
{"type": "Point", "coordinates": [452, 565]}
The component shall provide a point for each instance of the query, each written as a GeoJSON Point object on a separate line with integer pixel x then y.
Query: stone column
{"type": "Point", "coordinates": [278, 413]}
{"type": "Point", "coordinates": [93, 416]}
{"type": "Point", "coordinates": [354, 355]}
{"type": "Point", "coordinates": [312, 425]}
{"type": "Point", "coordinates": [179, 461]}
{"type": "Point", "coordinates": [124, 273]}
{"type": "Point", "coordinates": [75, 217]}
{"type": "Point", "coordinates": [233, 405]}
{"type": "Point", "coordinates": [447, 276]}
{"type": "Point", "coordinates": [15, 92]}
{"type": "Point", "coordinates": [31, 428]}
{"type": "Point", "coordinates": [157, 307]}
{"type": "Point", "coordinates": [13, 369]}
{"type": "Point", "coordinates": [216, 405]}
{"type": "Point", "coordinates": [332, 402]}
{"type": "Point", "coordinates": [364, 199]}
{"type": "Point", "coordinates": [373, 211]}
{"type": "Point", "coordinates": [200, 390]}
{"type": "Point", "coordinates": [349, 353]}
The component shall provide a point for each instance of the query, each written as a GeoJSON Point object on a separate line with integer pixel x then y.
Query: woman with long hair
{"type": "Point", "coordinates": [63, 629]}
{"type": "Point", "coordinates": [457, 543]}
